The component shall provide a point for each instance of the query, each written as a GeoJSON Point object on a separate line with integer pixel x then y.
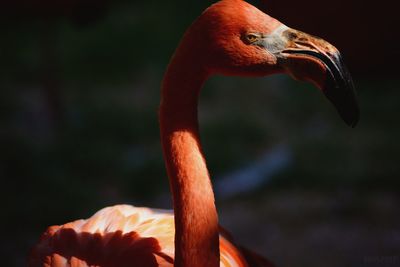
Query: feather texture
{"type": "Point", "coordinates": [118, 236]}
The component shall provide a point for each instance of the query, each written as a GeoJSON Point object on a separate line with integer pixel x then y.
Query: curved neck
{"type": "Point", "coordinates": [196, 221]}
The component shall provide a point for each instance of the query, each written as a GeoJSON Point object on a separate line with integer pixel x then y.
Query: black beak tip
{"type": "Point", "coordinates": [346, 105]}
{"type": "Point", "coordinates": [343, 97]}
{"type": "Point", "coordinates": [352, 117]}
{"type": "Point", "coordinates": [338, 86]}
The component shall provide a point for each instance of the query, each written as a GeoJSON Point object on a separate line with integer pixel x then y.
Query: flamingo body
{"type": "Point", "coordinates": [230, 38]}
{"type": "Point", "coordinates": [119, 236]}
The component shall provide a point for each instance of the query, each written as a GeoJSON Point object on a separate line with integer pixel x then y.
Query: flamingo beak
{"type": "Point", "coordinates": [309, 58]}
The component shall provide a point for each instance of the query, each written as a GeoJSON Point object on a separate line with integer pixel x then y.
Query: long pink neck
{"type": "Point", "coordinates": [196, 220]}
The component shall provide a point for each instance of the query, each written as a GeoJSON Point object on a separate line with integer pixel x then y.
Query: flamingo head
{"type": "Point", "coordinates": [233, 37]}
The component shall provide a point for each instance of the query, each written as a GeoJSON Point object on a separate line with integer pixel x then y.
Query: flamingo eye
{"type": "Point", "coordinates": [251, 38]}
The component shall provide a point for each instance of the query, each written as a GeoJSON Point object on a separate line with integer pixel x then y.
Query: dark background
{"type": "Point", "coordinates": [79, 91]}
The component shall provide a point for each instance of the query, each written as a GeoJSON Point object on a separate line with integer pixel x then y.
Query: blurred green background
{"type": "Point", "coordinates": [79, 92]}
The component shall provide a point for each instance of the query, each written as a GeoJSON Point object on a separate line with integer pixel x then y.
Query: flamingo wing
{"type": "Point", "coordinates": [118, 236]}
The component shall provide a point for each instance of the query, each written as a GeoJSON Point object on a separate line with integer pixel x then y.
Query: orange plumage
{"type": "Point", "coordinates": [118, 236]}
{"type": "Point", "coordinates": [232, 38]}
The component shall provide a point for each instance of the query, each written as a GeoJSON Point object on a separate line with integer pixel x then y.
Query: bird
{"type": "Point", "coordinates": [231, 38]}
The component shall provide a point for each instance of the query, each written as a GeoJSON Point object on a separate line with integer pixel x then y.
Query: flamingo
{"type": "Point", "coordinates": [230, 38]}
